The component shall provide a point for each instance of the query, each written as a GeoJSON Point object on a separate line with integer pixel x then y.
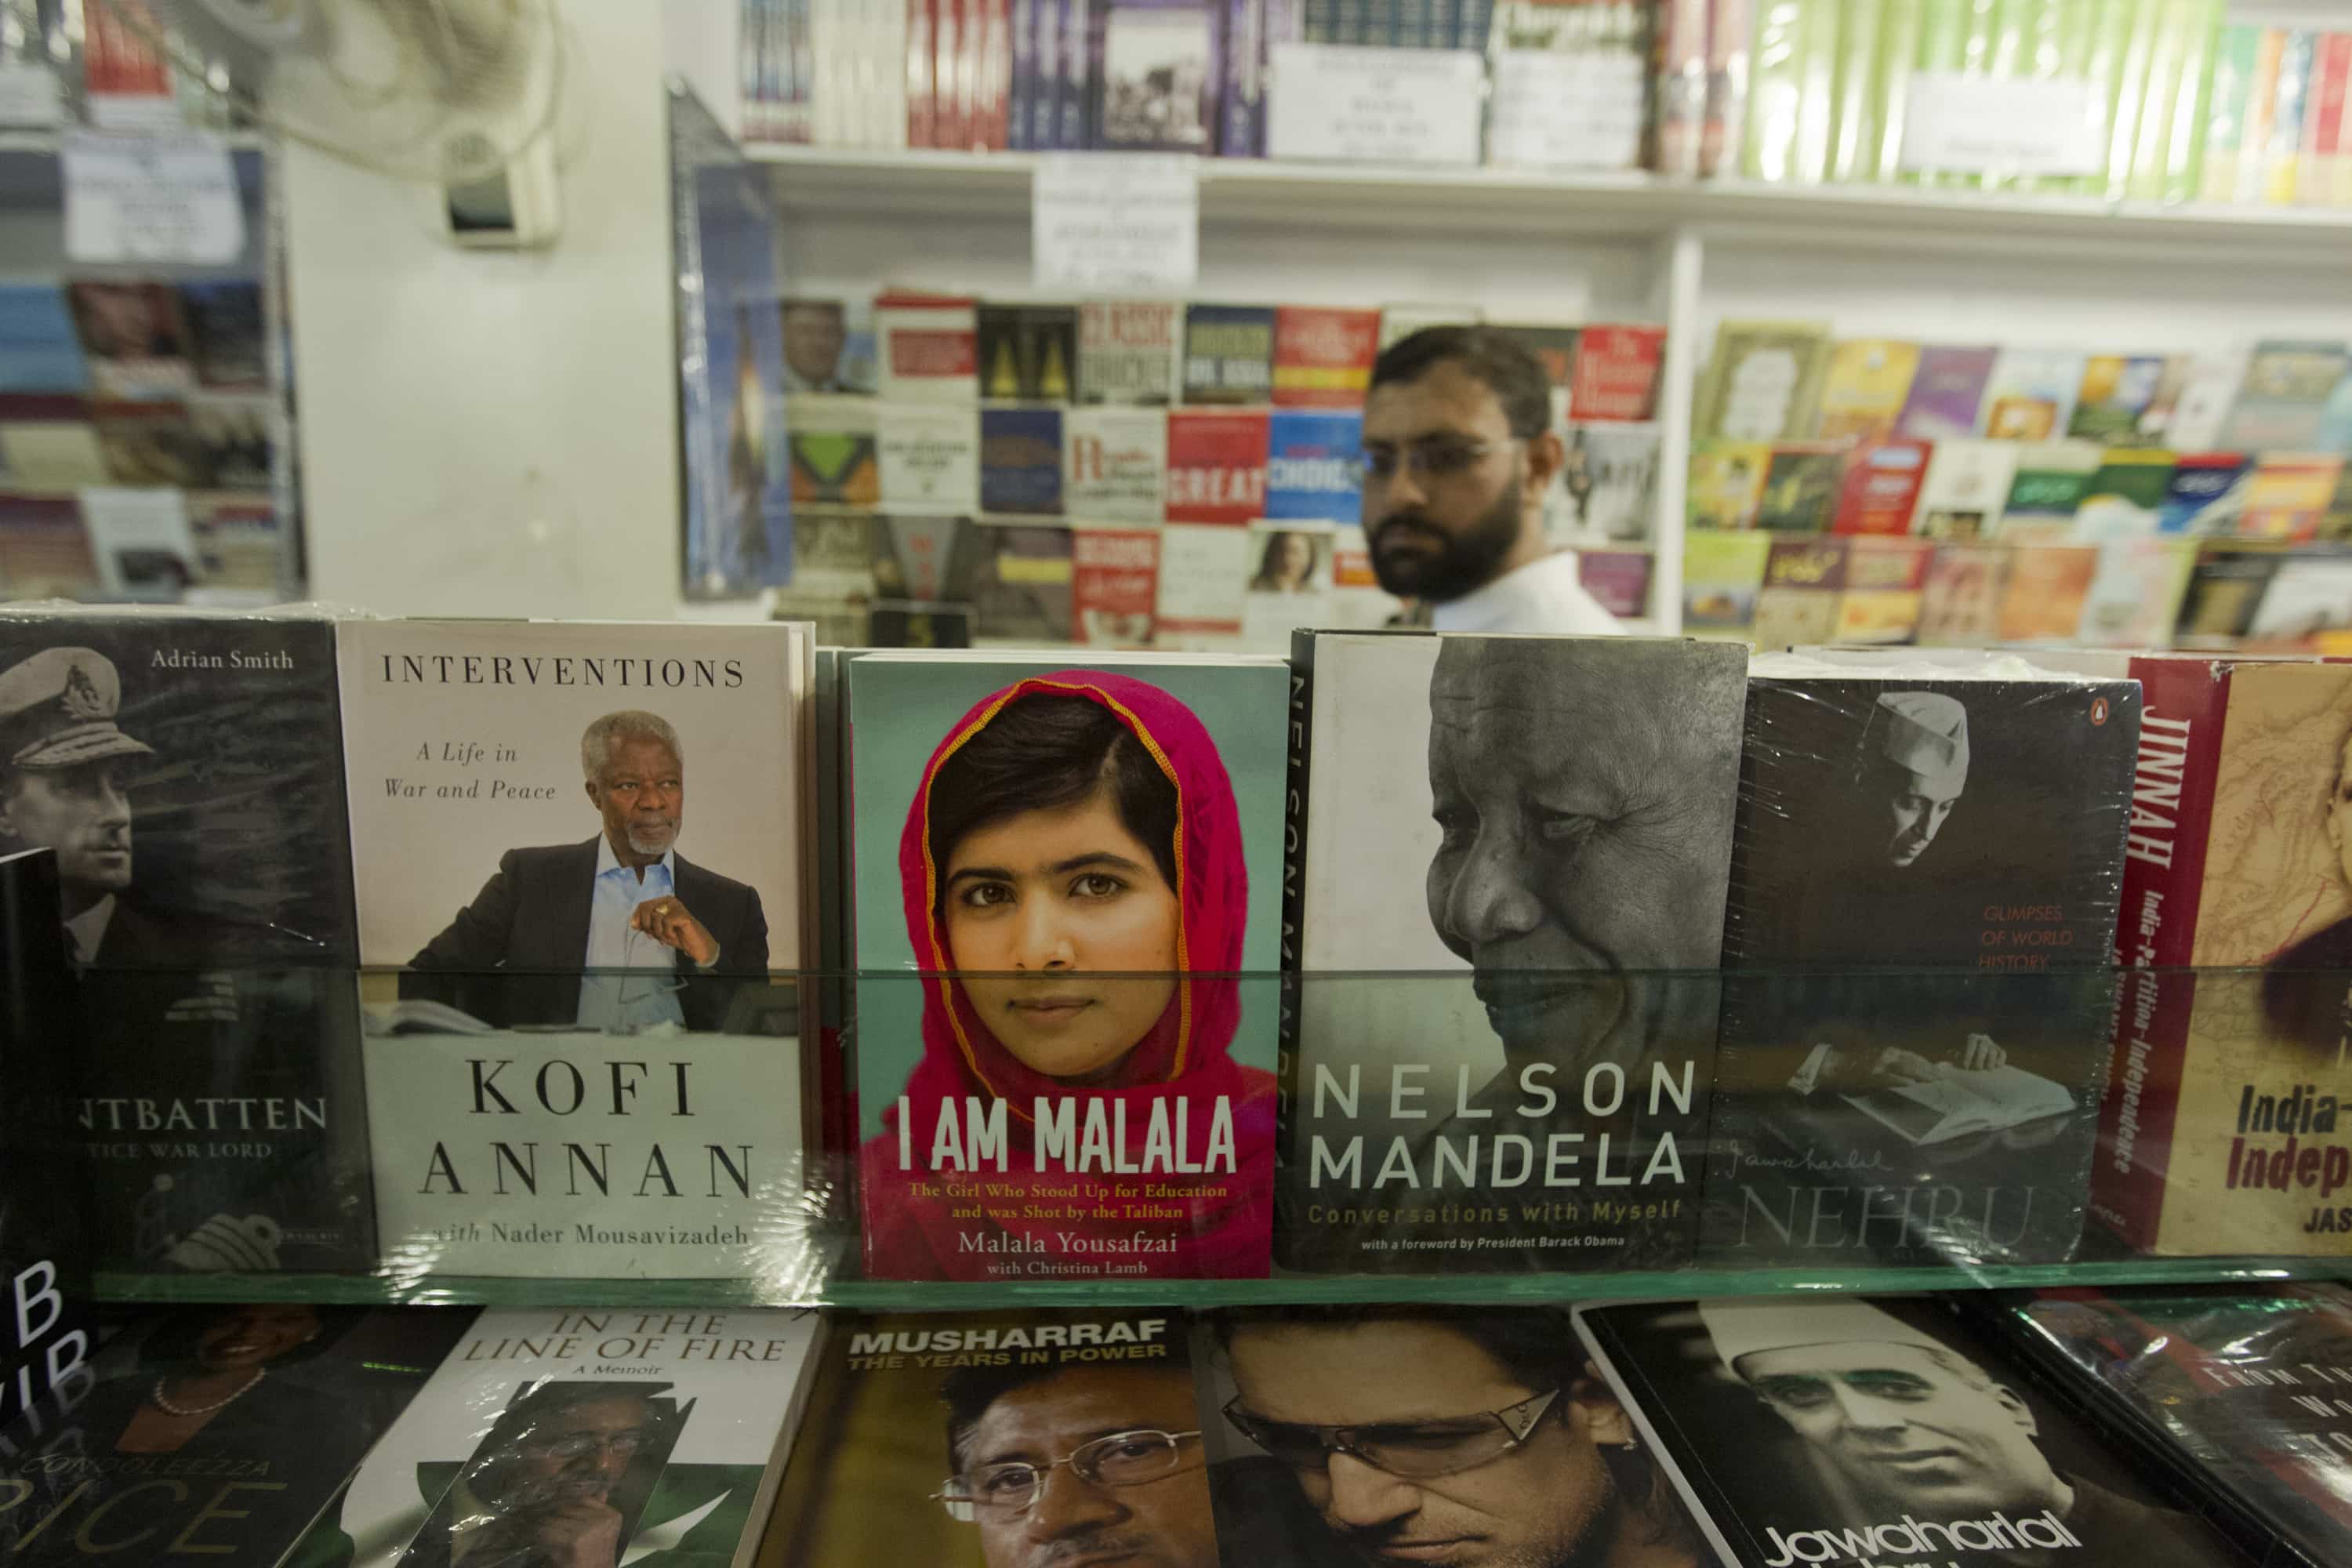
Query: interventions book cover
{"type": "Point", "coordinates": [1515, 852]}
{"type": "Point", "coordinates": [1877, 1431]}
{"type": "Point", "coordinates": [1098, 849]}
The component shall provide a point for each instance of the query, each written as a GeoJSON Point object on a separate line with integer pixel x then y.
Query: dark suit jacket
{"type": "Point", "coordinates": [139, 935]}
{"type": "Point", "coordinates": [531, 921]}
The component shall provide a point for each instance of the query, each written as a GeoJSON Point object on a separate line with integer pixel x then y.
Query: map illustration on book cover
{"type": "Point", "coordinates": [1876, 1431]}
{"type": "Point", "coordinates": [1943, 854]}
{"type": "Point", "coordinates": [185, 768]}
{"type": "Point", "coordinates": [616, 1437]}
{"type": "Point", "coordinates": [1077, 871]}
{"type": "Point", "coordinates": [520, 811]}
{"type": "Point", "coordinates": [2243, 1389]}
{"type": "Point", "coordinates": [1552, 876]}
{"type": "Point", "coordinates": [214, 1434]}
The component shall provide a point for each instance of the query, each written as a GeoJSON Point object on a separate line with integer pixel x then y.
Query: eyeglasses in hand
{"type": "Point", "coordinates": [1416, 1450]}
{"type": "Point", "coordinates": [1120, 1459]}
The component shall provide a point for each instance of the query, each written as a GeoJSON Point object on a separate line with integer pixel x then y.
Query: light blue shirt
{"type": "Point", "coordinates": [613, 1000]}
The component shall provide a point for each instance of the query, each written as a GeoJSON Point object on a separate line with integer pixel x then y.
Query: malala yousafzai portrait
{"type": "Point", "coordinates": [1075, 1076]}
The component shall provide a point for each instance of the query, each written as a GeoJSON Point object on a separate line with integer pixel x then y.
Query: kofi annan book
{"type": "Point", "coordinates": [1923, 900]}
{"type": "Point", "coordinates": [1066, 881]}
{"type": "Point", "coordinates": [1504, 913]}
{"type": "Point", "coordinates": [2243, 1391]}
{"type": "Point", "coordinates": [1866, 1432]}
{"type": "Point", "coordinates": [578, 1436]}
{"type": "Point", "coordinates": [212, 1433]}
{"type": "Point", "coordinates": [184, 767]}
{"type": "Point", "coordinates": [592, 825]}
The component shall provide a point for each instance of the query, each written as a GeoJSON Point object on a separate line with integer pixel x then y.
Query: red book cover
{"type": "Point", "coordinates": [950, 75]}
{"type": "Point", "coordinates": [1114, 584]}
{"type": "Point", "coordinates": [1322, 357]}
{"type": "Point", "coordinates": [992, 85]}
{"type": "Point", "coordinates": [1881, 485]}
{"type": "Point", "coordinates": [922, 77]}
{"type": "Point", "coordinates": [1216, 464]}
{"type": "Point", "coordinates": [1616, 374]}
{"type": "Point", "coordinates": [116, 57]}
{"type": "Point", "coordinates": [1618, 579]}
{"type": "Point", "coordinates": [2331, 78]}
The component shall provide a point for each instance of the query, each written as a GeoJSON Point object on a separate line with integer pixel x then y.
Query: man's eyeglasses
{"type": "Point", "coordinates": [573, 1444]}
{"type": "Point", "coordinates": [1120, 1459]}
{"type": "Point", "coordinates": [1438, 457]}
{"type": "Point", "coordinates": [1417, 1451]}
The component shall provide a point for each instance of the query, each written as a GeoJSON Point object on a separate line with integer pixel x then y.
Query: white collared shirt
{"type": "Point", "coordinates": [1541, 597]}
{"type": "Point", "coordinates": [88, 929]}
{"type": "Point", "coordinates": [614, 1001]}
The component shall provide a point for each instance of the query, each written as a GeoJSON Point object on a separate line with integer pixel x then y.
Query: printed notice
{"type": "Point", "coordinates": [1116, 223]}
{"type": "Point", "coordinates": [1385, 106]}
{"type": "Point", "coordinates": [2004, 125]}
{"type": "Point", "coordinates": [152, 199]}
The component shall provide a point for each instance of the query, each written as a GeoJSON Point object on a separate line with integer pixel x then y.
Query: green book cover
{"type": "Point", "coordinates": [2178, 176]}
{"type": "Point", "coordinates": [2225, 112]}
{"type": "Point", "coordinates": [1775, 84]}
{"type": "Point", "coordinates": [1817, 89]}
{"type": "Point", "coordinates": [1942, 45]}
{"type": "Point", "coordinates": [2072, 30]}
{"type": "Point", "coordinates": [1764, 381]}
{"type": "Point", "coordinates": [2113, 42]}
{"type": "Point", "coordinates": [1898, 46]}
{"type": "Point", "coordinates": [1854, 128]}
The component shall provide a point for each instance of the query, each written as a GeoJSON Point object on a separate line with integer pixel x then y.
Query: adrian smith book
{"type": "Point", "coordinates": [599, 825]}
{"type": "Point", "coordinates": [1073, 872]}
{"type": "Point", "coordinates": [1867, 1432]}
{"type": "Point", "coordinates": [1923, 895]}
{"type": "Point", "coordinates": [603, 1436]}
{"type": "Point", "coordinates": [1533, 837]}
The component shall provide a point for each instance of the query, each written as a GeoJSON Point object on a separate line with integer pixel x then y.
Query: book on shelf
{"type": "Point", "coordinates": [1881, 489]}
{"type": "Point", "coordinates": [927, 347]}
{"type": "Point", "coordinates": [1616, 373]}
{"type": "Point", "coordinates": [927, 455]}
{"type": "Point", "coordinates": [1553, 346]}
{"type": "Point", "coordinates": [1864, 389]}
{"type": "Point", "coordinates": [2047, 589]}
{"type": "Point", "coordinates": [1131, 350]}
{"type": "Point", "coordinates": [1323, 357]}
{"type": "Point", "coordinates": [1965, 489]}
{"type": "Point", "coordinates": [1946, 393]}
{"type": "Point", "coordinates": [1722, 574]}
{"type": "Point", "coordinates": [1803, 581]}
{"type": "Point", "coordinates": [1726, 487]}
{"type": "Point", "coordinates": [2281, 402]}
{"type": "Point", "coordinates": [1228, 353]}
{"type": "Point", "coordinates": [1884, 596]}
{"type": "Point", "coordinates": [1763, 380]}
{"type": "Point", "coordinates": [1021, 471]}
{"type": "Point", "coordinates": [1749, 1408]}
{"type": "Point", "coordinates": [2204, 494]}
{"type": "Point", "coordinates": [1959, 604]}
{"type": "Point", "coordinates": [1312, 465]}
{"type": "Point", "coordinates": [831, 440]}
{"type": "Point", "coordinates": [1027, 353]}
{"type": "Point", "coordinates": [1114, 587]}
{"type": "Point", "coordinates": [1105, 1126]}
{"type": "Point", "coordinates": [1217, 464]}
{"type": "Point", "coordinates": [1155, 72]}
{"type": "Point", "coordinates": [1538, 1104]}
{"type": "Point", "coordinates": [1115, 464]}
{"type": "Point", "coordinates": [1608, 489]}
{"type": "Point", "coordinates": [1802, 486]}
{"type": "Point", "coordinates": [2031, 395]}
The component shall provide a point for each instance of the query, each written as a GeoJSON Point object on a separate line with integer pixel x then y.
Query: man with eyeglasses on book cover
{"type": "Point", "coordinates": [1442, 1436]}
{"type": "Point", "coordinates": [1459, 454]}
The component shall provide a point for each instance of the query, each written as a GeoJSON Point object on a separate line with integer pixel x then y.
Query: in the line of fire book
{"type": "Point", "coordinates": [1874, 1431]}
{"type": "Point", "coordinates": [1074, 871]}
{"type": "Point", "coordinates": [1919, 976]}
{"type": "Point", "coordinates": [1515, 849]}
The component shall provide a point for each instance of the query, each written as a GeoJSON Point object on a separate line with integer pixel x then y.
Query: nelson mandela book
{"type": "Point", "coordinates": [1923, 903]}
{"type": "Point", "coordinates": [1878, 1432]}
{"type": "Point", "coordinates": [1503, 915]}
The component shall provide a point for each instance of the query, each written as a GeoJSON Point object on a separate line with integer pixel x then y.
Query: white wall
{"type": "Point", "coordinates": [490, 433]}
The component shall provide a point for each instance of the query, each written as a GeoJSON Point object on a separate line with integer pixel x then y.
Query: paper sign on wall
{"type": "Point", "coordinates": [1386, 106]}
{"type": "Point", "coordinates": [152, 199]}
{"type": "Point", "coordinates": [2003, 125]}
{"type": "Point", "coordinates": [1116, 223]}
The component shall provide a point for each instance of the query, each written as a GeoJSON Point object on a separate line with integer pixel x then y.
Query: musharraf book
{"type": "Point", "coordinates": [1067, 885]}
{"type": "Point", "coordinates": [521, 794]}
{"type": "Point", "coordinates": [2241, 1390]}
{"type": "Point", "coordinates": [213, 1434]}
{"type": "Point", "coordinates": [615, 1437]}
{"type": "Point", "coordinates": [1522, 884]}
{"type": "Point", "coordinates": [1923, 900]}
{"type": "Point", "coordinates": [1861, 1432]}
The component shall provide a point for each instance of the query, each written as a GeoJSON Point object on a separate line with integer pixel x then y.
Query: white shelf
{"type": "Point", "coordinates": [1843, 219]}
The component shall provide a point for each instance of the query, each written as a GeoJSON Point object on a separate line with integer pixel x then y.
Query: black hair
{"type": "Point", "coordinates": [1042, 752]}
{"type": "Point", "coordinates": [1269, 561]}
{"type": "Point", "coordinates": [1491, 356]}
{"type": "Point", "coordinates": [1535, 1344]}
{"type": "Point", "coordinates": [174, 1343]}
{"type": "Point", "coordinates": [967, 1391]}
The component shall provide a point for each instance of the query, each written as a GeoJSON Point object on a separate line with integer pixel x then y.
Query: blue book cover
{"type": "Point", "coordinates": [1021, 461]}
{"type": "Point", "coordinates": [1071, 95]}
{"type": "Point", "coordinates": [39, 349]}
{"type": "Point", "coordinates": [1310, 470]}
{"type": "Point", "coordinates": [2200, 496]}
{"type": "Point", "coordinates": [1025, 74]}
{"type": "Point", "coordinates": [738, 516]}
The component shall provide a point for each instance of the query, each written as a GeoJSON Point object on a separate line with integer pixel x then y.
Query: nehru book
{"type": "Point", "coordinates": [1863, 1432]}
{"type": "Point", "coordinates": [1532, 835]}
{"type": "Point", "coordinates": [1923, 895]}
{"type": "Point", "coordinates": [1067, 882]}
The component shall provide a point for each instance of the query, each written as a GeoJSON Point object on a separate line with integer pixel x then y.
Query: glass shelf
{"type": "Point", "coordinates": [314, 1134]}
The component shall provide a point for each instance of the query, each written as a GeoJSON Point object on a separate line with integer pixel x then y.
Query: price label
{"type": "Point", "coordinates": [152, 199]}
{"type": "Point", "coordinates": [1381, 106]}
{"type": "Point", "coordinates": [1978, 124]}
{"type": "Point", "coordinates": [1116, 223]}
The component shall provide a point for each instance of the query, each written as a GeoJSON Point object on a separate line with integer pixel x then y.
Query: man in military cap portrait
{"type": "Point", "coordinates": [65, 774]}
{"type": "Point", "coordinates": [1912, 766]}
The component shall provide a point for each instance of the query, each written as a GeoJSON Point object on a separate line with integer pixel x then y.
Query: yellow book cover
{"type": "Point", "coordinates": [1864, 391]}
{"type": "Point", "coordinates": [1726, 484]}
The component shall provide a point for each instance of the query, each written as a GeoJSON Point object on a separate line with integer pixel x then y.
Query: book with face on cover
{"type": "Point", "coordinates": [611, 1436]}
{"type": "Point", "coordinates": [1880, 1429]}
{"type": "Point", "coordinates": [215, 1433]}
{"type": "Point", "coordinates": [1560, 867]}
{"type": "Point", "coordinates": [1067, 879]}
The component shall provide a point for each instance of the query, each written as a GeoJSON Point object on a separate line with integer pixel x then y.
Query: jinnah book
{"type": "Point", "coordinates": [2237, 1391]}
{"type": "Point", "coordinates": [1130, 351]}
{"type": "Point", "coordinates": [1323, 357]}
{"type": "Point", "coordinates": [548, 768]}
{"type": "Point", "coordinates": [1115, 463]}
{"type": "Point", "coordinates": [1763, 382]}
{"type": "Point", "coordinates": [1027, 352]}
{"type": "Point", "coordinates": [1943, 845]}
{"type": "Point", "coordinates": [1021, 461]}
{"type": "Point", "coordinates": [832, 444]}
{"type": "Point", "coordinates": [217, 1434]}
{"type": "Point", "coordinates": [929, 348]}
{"type": "Point", "coordinates": [660, 1435]}
{"type": "Point", "coordinates": [1228, 353]}
{"type": "Point", "coordinates": [929, 457]}
{"type": "Point", "coordinates": [1538, 1101]}
{"type": "Point", "coordinates": [1118, 1121]}
{"type": "Point", "coordinates": [1216, 464]}
{"type": "Point", "coordinates": [1755, 1410]}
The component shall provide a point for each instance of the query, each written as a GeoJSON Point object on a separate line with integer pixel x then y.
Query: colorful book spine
{"type": "Point", "coordinates": [2324, 121]}
{"type": "Point", "coordinates": [2284, 147]}
{"type": "Point", "coordinates": [1853, 128]}
{"type": "Point", "coordinates": [2228, 102]}
{"type": "Point", "coordinates": [2261, 108]}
